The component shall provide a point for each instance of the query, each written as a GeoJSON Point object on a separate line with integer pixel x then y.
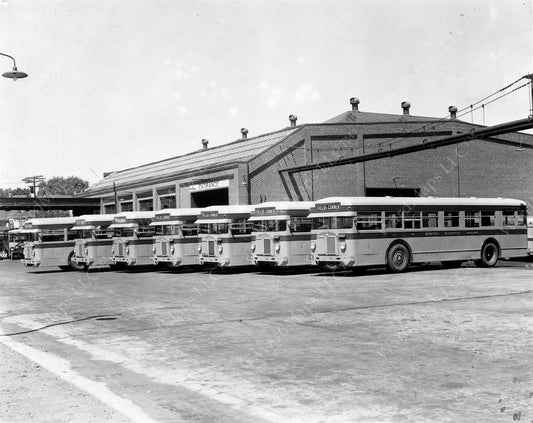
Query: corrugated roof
{"type": "Point", "coordinates": [354, 116]}
{"type": "Point", "coordinates": [237, 151]}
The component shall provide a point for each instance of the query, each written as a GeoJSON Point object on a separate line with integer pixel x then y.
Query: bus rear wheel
{"type": "Point", "coordinates": [398, 258]}
{"type": "Point", "coordinates": [489, 255]}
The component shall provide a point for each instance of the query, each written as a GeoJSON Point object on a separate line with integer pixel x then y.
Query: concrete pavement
{"type": "Point", "coordinates": [431, 344]}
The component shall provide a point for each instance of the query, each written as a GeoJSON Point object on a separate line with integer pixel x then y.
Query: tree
{"type": "Point", "coordinates": [10, 192]}
{"type": "Point", "coordinates": [59, 185]}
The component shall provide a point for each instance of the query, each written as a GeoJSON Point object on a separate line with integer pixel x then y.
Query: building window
{"type": "Point", "coordinates": [146, 205]}
{"type": "Point", "coordinates": [109, 209]}
{"type": "Point", "coordinates": [168, 201]}
{"type": "Point", "coordinates": [126, 206]}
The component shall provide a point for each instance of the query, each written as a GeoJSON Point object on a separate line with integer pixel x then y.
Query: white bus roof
{"type": "Point", "coordinates": [96, 217]}
{"type": "Point", "coordinates": [136, 215]}
{"type": "Point", "coordinates": [280, 210]}
{"type": "Point", "coordinates": [286, 205]}
{"type": "Point", "coordinates": [422, 201]}
{"type": "Point", "coordinates": [50, 221]}
{"type": "Point", "coordinates": [180, 212]}
{"type": "Point", "coordinates": [229, 209]}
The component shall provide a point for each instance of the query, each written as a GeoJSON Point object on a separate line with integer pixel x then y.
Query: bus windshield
{"type": "Point", "coordinates": [214, 228]}
{"type": "Point", "coordinates": [123, 232]}
{"type": "Point", "coordinates": [270, 225]}
{"type": "Point", "coordinates": [167, 230]}
{"type": "Point", "coordinates": [333, 222]}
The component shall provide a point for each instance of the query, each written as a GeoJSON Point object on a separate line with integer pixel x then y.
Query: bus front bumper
{"type": "Point", "coordinates": [83, 260]}
{"type": "Point", "coordinates": [129, 261]}
{"type": "Point", "coordinates": [31, 262]}
{"type": "Point", "coordinates": [344, 261]}
{"type": "Point", "coordinates": [274, 261]}
{"type": "Point", "coordinates": [174, 261]}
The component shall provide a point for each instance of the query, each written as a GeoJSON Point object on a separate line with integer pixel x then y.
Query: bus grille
{"type": "Point", "coordinates": [331, 245]}
{"type": "Point", "coordinates": [164, 248]}
{"type": "Point", "coordinates": [79, 253]}
{"type": "Point", "coordinates": [211, 248]}
{"type": "Point", "coordinates": [120, 249]}
{"type": "Point", "coordinates": [27, 252]}
{"type": "Point", "coordinates": [267, 247]}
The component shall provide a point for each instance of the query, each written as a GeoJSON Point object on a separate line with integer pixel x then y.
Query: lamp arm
{"type": "Point", "coordinates": [11, 57]}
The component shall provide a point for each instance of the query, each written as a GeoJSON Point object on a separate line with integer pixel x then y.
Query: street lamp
{"type": "Point", "coordinates": [14, 74]}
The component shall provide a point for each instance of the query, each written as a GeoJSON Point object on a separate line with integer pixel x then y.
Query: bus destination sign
{"type": "Point", "coordinates": [328, 207]}
{"type": "Point", "coordinates": [162, 217]}
{"type": "Point", "coordinates": [267, 211]}
{"type": "Point", "coordinates": [207, 214]}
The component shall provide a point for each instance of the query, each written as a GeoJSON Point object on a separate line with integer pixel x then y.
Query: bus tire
{"type": "Point", "coordinates": [489, 255]}
{"type": "Point", "coordinates": [398, 258]}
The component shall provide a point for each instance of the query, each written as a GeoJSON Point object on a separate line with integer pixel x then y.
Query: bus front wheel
{"type": "Point", "coordinates": [489, 255]}
{"type": "Point", "coordinates": [398, 258]}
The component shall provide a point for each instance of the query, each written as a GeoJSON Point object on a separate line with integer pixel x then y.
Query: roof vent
{"type": "Point", "coordinates": [293, 119]}
{"type": "Point", "coordinates": [354, 101]}
{"type": "Point", "coordinates": [244, 133]}
{"type": "Point", "coordinates": [204, 143]}
{"type": "Point", "coordinates": [405, 107]}
{"type": "Point", "coordinates": [453, 112]}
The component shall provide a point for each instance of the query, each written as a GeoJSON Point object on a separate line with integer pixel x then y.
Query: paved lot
{"type": "Point", "coordinates": [432, 344]}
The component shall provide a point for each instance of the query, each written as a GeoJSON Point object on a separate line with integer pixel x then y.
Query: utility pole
{"type": "Point", "coordinates": [33, 181]}
{"type": "Point", "coordinates": [530, 77]}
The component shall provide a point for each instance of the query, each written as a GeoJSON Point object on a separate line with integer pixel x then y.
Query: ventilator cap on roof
{"type": "Point", "coordinates": [244, 133]}
{"type": "Point", "coordinates": [354, 101]}
{"type": "Point", "coordinates": [405, 106]}
{"type": "Point", "coordinates": [453, 112]}
{"type": "Point", "coordinates": [204, 143]}
{"type": "Point", "coordinates": [293, 119]}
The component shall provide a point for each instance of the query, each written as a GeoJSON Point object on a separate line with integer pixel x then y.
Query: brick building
{"type": "Point", "coordinates": [275, 166]}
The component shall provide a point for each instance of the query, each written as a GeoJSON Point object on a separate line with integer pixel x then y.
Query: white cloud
{"type": "Point", "coordinates": [233, 110]}
{"type": "Point", "coordinates": [177, 95]}
{"type": "Point", "coordinates": [306, 92]}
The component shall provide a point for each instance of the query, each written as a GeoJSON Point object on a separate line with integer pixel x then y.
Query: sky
{"type": "Point", "coordinates": [114, 84]}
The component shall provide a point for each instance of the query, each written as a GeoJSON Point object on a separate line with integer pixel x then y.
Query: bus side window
{"type": "Point", "coordinates": [472, 219]}
{"type": "Point", "coordinates": [451, 219]}
{"type": "Point", "coordinates": [430, 219]}
{"type": "Point", "coordinates": [369, 221]}
{"type": "Point", "coordinates": [393, 221]}
{"type": "Point", "coordinates": [488, 218]}
{"type": "Point", "coordinates": [411, 220]}
{"type": "Point", "coordinates": [512, 218]}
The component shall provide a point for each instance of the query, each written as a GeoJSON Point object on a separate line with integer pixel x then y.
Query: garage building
{"type": "Point", "coordinates": [356, 153]}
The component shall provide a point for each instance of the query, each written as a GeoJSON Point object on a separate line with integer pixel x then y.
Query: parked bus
{"type": "Point", "coordinates": [132, 238]}
{"type": "Point", "coordinates": [94, 241]}
{"type": "Point", "coordinates": [282, 233]}
{"type": "Point", "coordinates": [50, 243]}
{"type": "Point", "coordinates": [369, 231]}
{"type": "Point", "coordinates": [225, 235]}
{"type": "Point", "coordinates": [176, 237]}
{"type": "Point", "coordinates": [15, 243]}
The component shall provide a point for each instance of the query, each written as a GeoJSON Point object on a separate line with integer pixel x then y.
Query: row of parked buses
{"type": "Point", "coordinates": [344, 232]}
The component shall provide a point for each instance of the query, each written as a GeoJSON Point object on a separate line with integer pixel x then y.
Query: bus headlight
{"type": "Point", "coordinates": [33, 251]}
{"type": "Point", "coordinates": [113, 250]}
{"type": "Point", "coordinates": [199, 248]}
{"type": "Point", "coordinates": [313, 246]}
{"type": "Point", "coordinates": [128, 249]}
{"type": "Point", "coordinates": [342, 246]}
{"type": "Point", "coordinates": [153, 249]}
{"type": "Point", "coordinates": [220, 249]}
{"type": "Point", "coordinates": [252, 246]}
{"type": "Point", "coordinates": [172, 249]}
{"type": "Point", "coordinates": [277, 247]}
{"type": "Point", "coordinates": [86, 251]}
